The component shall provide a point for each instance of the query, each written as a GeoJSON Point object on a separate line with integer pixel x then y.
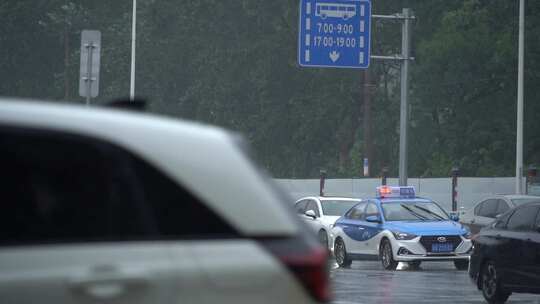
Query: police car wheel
{"type": "Point", "coordinates": [491, 284]}
{"type": "Point", "coordinates": [386, 256]}
{"type": "Point", "coordinates": [461, 264]}
{"type": "Point", "coordinates": [341, 254]}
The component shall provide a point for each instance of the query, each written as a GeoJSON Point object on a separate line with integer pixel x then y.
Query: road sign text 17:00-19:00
{"type": "Point", "coordinates": [334, 33]}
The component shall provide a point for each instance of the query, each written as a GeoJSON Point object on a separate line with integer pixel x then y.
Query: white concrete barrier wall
{"type": "Point", "coordinates": [470, 189]}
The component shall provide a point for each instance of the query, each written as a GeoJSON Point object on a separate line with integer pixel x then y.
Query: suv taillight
{"type": "Point", "coordinates": [308, 263]}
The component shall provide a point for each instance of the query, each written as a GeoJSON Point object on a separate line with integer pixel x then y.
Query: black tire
{"type": "Point", "coordinates": [386, 255]}
{"type": "Point", "coordinates": [461, 264]}
{"type": "Point", "coordinates": [414, 264]}
{"type": "Point", "coordinates": [323, 238]}
{"type": "Point", "coordinates": [340, 252]}
{"type": "Point", "coordinates": [491, 284]}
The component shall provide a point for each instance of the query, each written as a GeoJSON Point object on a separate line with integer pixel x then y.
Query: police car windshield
{"type": "Point", "coordinates": [337, 207]}
{"type": "Point", "coordinates": [413, 211]}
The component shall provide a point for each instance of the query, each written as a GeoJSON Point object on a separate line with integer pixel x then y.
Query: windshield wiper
{"type": "Point", "coordinates": [430, 212]}
{"type": "Point", "coordinates": [418, 215]}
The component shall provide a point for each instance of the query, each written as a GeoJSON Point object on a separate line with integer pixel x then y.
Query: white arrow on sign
{"type": "Point", "coordinates": [334, 56]}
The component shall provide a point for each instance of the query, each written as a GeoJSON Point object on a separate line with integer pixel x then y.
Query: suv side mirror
{"type": "Point", "coordinates": [373, 219]}
{"type": "Point", "coordinates": [311, 214]}
{"type": "Point", "coordinates": [454, 216]}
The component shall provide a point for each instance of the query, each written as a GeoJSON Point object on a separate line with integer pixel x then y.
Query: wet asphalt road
{"type": "Point", "coordinates": [435, 282]}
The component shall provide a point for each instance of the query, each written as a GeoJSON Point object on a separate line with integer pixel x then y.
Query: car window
{"type": "Point", "coordinates": [523, 218]}
{"type": "Point", "coordinates": [357, 213]}
{"type": "Point", "coordinates": [178, 213]}
{"type": "Point", "coordinates": [312, 205]}
{"type": "Point", "coordinates": [336, 207]}
{"type": "Point", "coordinates": [477, 208]}
{"type": "Point", "coordinates": [372, 210]}
{"type": "Point", "coordinates": [489, 208]}
{"type": "Point", "coordinates": [74, 189]}
{"type": "Point", "coordinates": [64, 189]}
{"type": "Point", "coordinates": [502, 207]}
{"type": "Point", "coordinates": [500, 223]}
{"type": "Point", "coordinates": [301, 206]}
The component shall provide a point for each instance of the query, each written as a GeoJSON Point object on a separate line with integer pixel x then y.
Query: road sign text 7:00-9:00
{"type": "Point", "coordinates": [330, 28]}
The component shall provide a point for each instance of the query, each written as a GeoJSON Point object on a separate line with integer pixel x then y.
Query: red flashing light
{"type": "Point", "coordinates": [384, 191]}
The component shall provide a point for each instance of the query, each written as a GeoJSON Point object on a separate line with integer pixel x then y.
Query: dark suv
{"type": "Point", "coordinates": [506, 254]}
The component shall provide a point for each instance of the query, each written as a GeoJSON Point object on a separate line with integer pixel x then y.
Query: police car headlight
{"type": "Point", "coordinates": [403, 235]}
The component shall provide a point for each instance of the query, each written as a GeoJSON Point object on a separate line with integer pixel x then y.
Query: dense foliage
{"type": "Point", "coordinates": [233, 63]}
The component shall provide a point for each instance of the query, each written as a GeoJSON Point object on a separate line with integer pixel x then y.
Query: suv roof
{"type": "Point", "coordinates": [201, 158]}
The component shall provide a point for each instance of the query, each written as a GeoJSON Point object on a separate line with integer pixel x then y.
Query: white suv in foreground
{"type": "Point", "coordinates": [104, 206]}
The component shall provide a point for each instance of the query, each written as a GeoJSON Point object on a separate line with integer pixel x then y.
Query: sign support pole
{"type": "Point", "coordinates": [90, 47]}
{"type": "Point", "coordinates": [519, 135]}
{"type": "Point", "coordinates": [404, 109]}
{"type": "Point", "coordinates": [406, 18]}
{"type": "Point", "coordinates": [133, 44]}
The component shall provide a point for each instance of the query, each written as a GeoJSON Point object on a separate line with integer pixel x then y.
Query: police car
{"type": "Point", "coordinates": [397, 226]}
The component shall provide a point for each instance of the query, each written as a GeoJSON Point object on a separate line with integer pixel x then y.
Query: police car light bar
{"type": "Point", "coordinates": [401, 192]}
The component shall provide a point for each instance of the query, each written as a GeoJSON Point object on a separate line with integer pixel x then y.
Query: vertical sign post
{"type": "Point", "coordinates": [521, 67]}
{"type": "Point", "coordinates": [334, 33]}
{"type": "Point", "coordinates": [90, 60]}
{"type": "Point", "coordinates": [404, 107]}
{"type": "Point", "coordinates": [321, 182]}
{"type": "Point", "coordinates": [366, 167]}
{"type": "Point", "coordinates": [406, 17]}
{"type": "Point", "coordinates": [133, 46]}
{"type": "Point", "coordinates": [455, 174]}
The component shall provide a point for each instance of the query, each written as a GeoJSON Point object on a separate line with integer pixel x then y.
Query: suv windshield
{"type": "Point", "coordinates": [413, 211]}
{"type": "Point", "coordinates": [337, 207]}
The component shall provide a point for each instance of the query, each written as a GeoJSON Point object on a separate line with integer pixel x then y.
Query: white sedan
{"type": "Point", "coordinates": [320, 213]}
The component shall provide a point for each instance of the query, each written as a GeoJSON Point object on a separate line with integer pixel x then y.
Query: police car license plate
{"type": "Point", "coordinates": [442, 247]}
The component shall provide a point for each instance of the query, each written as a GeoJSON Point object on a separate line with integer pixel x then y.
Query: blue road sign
{"type": "Point", "coordinates": [334, 33]}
